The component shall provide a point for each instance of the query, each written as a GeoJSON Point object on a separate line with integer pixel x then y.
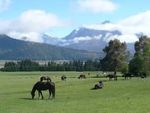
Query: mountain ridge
{"type": "Point", "coordinates": [13, 49]}
{"type": "Point", "coordinates": [89, 39]}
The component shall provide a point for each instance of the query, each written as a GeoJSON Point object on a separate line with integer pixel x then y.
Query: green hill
{"type": "Point", "coordinates": [13, 49]}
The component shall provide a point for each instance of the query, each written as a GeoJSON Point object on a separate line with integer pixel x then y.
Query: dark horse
{"type": "Point", "coordinates": [48, 79]}
{"type": "Point", "coordinates": [63, 77]}
{"type": "Point", "coordinates": [82, 76]}
{"type": "Point", "coordinates": [142, 75]}
{"type": "Point", "coordinates": [39, 86]}
{"type": "Point", "coordinates": [111, 76]}
{"type": "Point", "coordinates": [127, 75]}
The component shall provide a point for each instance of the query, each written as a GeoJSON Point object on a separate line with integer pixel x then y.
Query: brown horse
{"type": "Point", "coordinates": [82, 76]}
{"type": "Point", "coordinates": [63, 77]}
{"type": "Point", "coordinates": [40, 86]}
{"type": "Point", "coordinates": [111, 76]}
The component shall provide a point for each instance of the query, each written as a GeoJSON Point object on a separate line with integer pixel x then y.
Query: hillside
{"type": "Point", "coordinates": [13, 49]}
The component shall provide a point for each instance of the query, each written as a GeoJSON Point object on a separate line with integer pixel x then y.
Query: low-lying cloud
{"type": "Point", "coordinates": [30, 24]}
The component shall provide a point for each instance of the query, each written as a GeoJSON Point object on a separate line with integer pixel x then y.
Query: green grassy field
{"type": "Point", "coordinates": [73, 95]}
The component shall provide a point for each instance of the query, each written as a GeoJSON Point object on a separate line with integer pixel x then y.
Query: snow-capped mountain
{"type": "Point", "coordinates": [89, 39]}
{"type": "Point", "coordinates": [85, 39]}
{"type": "Point", "coordinates": [82, 32]}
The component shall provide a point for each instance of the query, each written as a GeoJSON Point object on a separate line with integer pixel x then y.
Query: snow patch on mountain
{"type": "Point", "coordinates": [86, 38]}
{"type": "Point", "coordinates": [129, 27]}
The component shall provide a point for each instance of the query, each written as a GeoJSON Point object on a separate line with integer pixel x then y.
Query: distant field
{"type": "Point", "coordinates": [73, 95]}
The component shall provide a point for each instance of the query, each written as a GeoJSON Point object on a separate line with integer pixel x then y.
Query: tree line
{"type": "Point", "coordinates": [29, 65]}
{"type": "Point", "coordinates": [116, 59]}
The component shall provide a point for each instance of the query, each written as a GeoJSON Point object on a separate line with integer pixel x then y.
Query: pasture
{"type": "Point", "coordinates": [73, 95]}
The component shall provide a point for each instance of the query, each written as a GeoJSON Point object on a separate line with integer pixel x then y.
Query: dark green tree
{"type": "Point", "coordinates": [136, 65]}
{"type": "Point", "coordinates": [52, 66]}
{"type": "Point", "coordinates": [28, 65]}
{"type": "Point", "coordinates": [115, 58]}
{"type": "Point", "coordinates": [91, 65]}
{"type": "Point", "coordinates": [141, 60]}
{"type": "Point", "coordinates": [10, 66]}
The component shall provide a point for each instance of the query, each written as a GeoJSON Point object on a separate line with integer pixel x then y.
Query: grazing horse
{"type": "Point", "coordinates": [63, 77]}
{"type": "Point", "coordinates": [127, 76]}
{"type": "Point", "coordinates": [39, 86]}
{"type": "Point", "coordinates": [48, 79]}
{"type": "Point", "coordinates": [143, 75]}
{"type": "Point", "coordinates": [82, 76]}
{"type": "Point", "coordinates": [111, 76]}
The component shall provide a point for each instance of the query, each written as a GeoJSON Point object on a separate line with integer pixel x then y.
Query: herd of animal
{"type": "Point", "coordinates": [126, 76]}
{"type": "Point", "coordinates": [45, 83]}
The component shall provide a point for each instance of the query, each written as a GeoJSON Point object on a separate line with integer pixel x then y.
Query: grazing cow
{"type": "Point", "coordinates": [82, 76]}
{"type": "Point", "coordinates": [111, 76]}
{"type": "Point", "coordinates": [63, 77]}
{"type": "Point", "coordinates": [40, 86]}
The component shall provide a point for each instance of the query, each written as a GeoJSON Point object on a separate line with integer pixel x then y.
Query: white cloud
{"type": "Point", "coordinates": [124, 38]}
{"type": "Point", "coordinates": [97, 6]}
{"type": "Point", "coordinates": [30, 24]}
{"type": "Point", "coordinates": [129, 27]}
{"type": "Point", "coordinates": [30, 36]}
{"type": "Point", "coordinates": [4, 5]}
{"type": "Point", "coordinates": [137, 23]}
{"type": "Point", "coordinates": [38, 21]}
{"type": "Point", "coordinates": [78, 39]}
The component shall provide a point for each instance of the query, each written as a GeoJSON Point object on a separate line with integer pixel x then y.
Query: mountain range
{"type": "Point", "coordinates": [87, 39]}
{"type": "Point", "coordinates": [82, 43]}
{"type": "Point", "coordinates": [13, 49]}
{"type": "Point", "coordinates": [91, 37]}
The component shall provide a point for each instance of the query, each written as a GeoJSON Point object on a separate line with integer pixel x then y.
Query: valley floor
{"type": "Point", "coordinates": [73, 95]}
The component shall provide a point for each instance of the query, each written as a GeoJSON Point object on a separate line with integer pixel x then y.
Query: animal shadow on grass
{"type": "Point", "coordinates": [26, 98]}
{"type": "Point", "coordinates": [96, 88]}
